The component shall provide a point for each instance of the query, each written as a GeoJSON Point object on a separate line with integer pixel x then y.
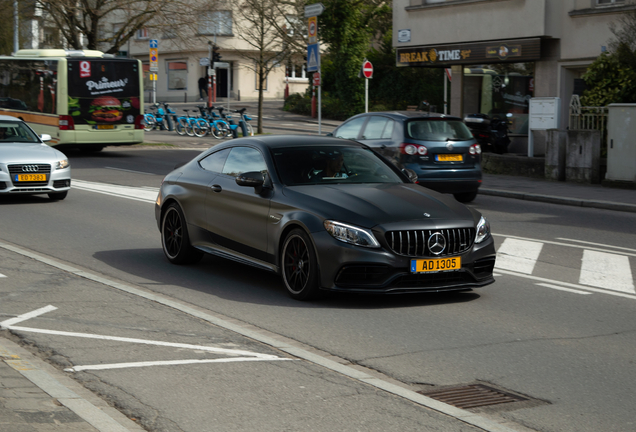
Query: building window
{"type": "Point", "coordinates": [609, 2]}
{"type": "Point", "coordinates": [142, 33]}
{"type": "Point", "coordinates": [500, 89]}
{"type": "Point", "coordinates": [296, 72]}
{"type": "Point", "coordinates": [177, 75]}
{"type": "Point", "coordinates": [216, 23]}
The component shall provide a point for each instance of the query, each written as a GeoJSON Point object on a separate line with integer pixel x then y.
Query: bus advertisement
{"type": "Point", "coordinates": [83, 99]}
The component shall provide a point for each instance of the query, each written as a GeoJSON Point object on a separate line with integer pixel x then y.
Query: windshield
{"type": "Point", "coordinates": [16, 131]}
{"type": "Point", "coordinates": [438, 130]}
{"type": "Point", "coordinates": [331, 164]}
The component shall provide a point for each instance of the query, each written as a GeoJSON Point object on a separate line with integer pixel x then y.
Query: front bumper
{"type": "Point", "coordinates": [348, 268]}
{"type": "Point", "coordinates": [57, 181]}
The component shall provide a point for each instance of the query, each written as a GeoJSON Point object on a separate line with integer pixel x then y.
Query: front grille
{"type": "Point", "coordinates": [414, 243]}
{"type": "Point", "coordinates": [32, 169]}
{"type": "Point", "coordinates": [356, 275]}
{"type": "Point", "coordinates": [484, 267]}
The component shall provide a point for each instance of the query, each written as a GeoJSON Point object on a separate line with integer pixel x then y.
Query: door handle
{"type": "Point", "coordinates": [216, 188]}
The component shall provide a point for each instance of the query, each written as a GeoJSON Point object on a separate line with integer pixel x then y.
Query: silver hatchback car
{"type": "Point", "coordinates": [28, 165]}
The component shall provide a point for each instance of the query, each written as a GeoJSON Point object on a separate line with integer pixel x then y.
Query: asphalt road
{"type": "Point", "coordinates": [550, 329]}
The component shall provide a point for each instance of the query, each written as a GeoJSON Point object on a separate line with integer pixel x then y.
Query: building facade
{"type": "Point", "coordinates": [504, 52]}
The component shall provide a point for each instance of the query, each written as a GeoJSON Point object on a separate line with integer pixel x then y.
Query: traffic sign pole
{"type": "Point", "coordinates": [367, 72]}
{"type": "Point", "coordinates": [154, 65]}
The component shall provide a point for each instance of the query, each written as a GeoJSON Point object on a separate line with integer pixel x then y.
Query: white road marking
{"type": "Point", "coordinates": [12, 321]}
{"type": "Point", "coordinates": [1, 275]}
{"type": "Point", "coordinates": [130, 171]}
{"type": "Point", "coordinates": [598, 244]}
{"type": "Point", "coordinates": [567, 284]}
{"type": "Point", "coordinates": [168, 363]}
{"type": "Point", "coordinates": [518, 255]}
{"type": "Point", "coordinates": [560, 288]}
{"type": "Point", "coordinates": [333, 365]}
{"type": "Point", "coordinates": [564, 244]}
{"type": "Point", "coordinates": [605, 270]}
{"type": "Point", "coordinates": [134, 193]}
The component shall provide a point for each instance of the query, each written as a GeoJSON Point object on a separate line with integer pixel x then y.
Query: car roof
{"type": "Point", "coordinates": [9, 118]}
{"type": "Point", "coordinates": [407, 115]}
{"type": "Point", "coordinates": [279, 141]}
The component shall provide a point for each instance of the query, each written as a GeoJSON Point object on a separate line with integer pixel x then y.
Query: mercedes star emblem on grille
{"type": "Point", "coordinates": [436, 243]}
{"type": "Point", "coordinates": [30, 168]}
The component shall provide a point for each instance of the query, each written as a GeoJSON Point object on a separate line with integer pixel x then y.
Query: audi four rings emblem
{"type": "Point", "coordinates": [30, 168]}
{"type": "Point", "coordinates": [436, 243]}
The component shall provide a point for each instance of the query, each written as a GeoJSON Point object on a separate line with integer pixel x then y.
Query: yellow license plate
{"type": "Point", "coordinates": [30, 177]}
{"type": "Point", "coordinates": [450, 158]}
{"type": "Point", "coordinates": [436, 265]}
{"type": "Point", "coordinates": [105, 127]}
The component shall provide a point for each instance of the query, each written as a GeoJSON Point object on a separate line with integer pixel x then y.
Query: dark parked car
{"type": "Point", "coordinates": [439, 148]}
{"type": "Point", "coordinates": [324, 213]}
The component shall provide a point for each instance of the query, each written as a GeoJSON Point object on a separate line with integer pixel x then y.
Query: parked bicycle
{"type": "Point", "coordinates": [194, 126]}
{"type": "Point", "coordinates": [218, 127]}
{"type": "Point", "coordinates": [161, 119]}
{"type": "Point", "coordinates": [246, 127]}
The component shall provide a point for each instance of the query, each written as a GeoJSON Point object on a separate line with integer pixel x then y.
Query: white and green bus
{"type": "Point", "coordinates": [84, 99]}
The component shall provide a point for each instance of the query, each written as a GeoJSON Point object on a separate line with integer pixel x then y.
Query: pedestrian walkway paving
{"type": "Point", "coordinates": [35, 397]}
{"type": "Point", "coordinates": [567, 193]}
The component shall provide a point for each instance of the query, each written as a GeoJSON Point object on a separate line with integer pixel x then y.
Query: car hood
{"type": "Point", "coordinates": [379, 204]}
{"type": "Point", "coordinates": [19, 153]}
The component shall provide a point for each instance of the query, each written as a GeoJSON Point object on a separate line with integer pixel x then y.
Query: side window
{"type": "Point", "coordinates": [244, 159]}
{"type": "Point", "coordinates": [351, 129]}
{"type": "Point", "coordinates": [215, 161]}
{"type": "Point", "coordinates": [388, 130]}
{"type": "Point", "coordinates": [376, 126]}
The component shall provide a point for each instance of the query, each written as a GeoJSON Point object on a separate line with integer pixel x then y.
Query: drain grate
{"type": "Point", "coordinates": [472, 396]}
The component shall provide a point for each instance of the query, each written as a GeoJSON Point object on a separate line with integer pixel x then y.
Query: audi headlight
{"type": "Point", "coordinates": [351, 234]}
{"type": "Point", "coordinates": [62, 164]}
{"type": "Point", "coordinates": [483, 230]}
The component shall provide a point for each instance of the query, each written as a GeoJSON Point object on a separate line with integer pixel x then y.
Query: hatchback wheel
{"type": "Point", "coordinates": [465, 197]}
{"type": "Point", "coordinates": [175, 239]}
{"type": "Point", "coordinates": [300, 266]}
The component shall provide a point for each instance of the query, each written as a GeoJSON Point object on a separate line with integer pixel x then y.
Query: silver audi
{"type": "Point", "coordinates": [28, 165]}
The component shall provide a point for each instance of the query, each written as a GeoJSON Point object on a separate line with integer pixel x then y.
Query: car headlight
{"type": "Point", "coordinates": [483, 230]}
{"type": "Point", "coordinates": [62, 164]}
{"type": "Point", "coordinates": [351, 234]}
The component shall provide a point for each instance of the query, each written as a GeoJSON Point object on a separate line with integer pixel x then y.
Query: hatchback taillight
{"type": "Point", "coordinates": [475, 149]}
{"type": "Point", "coordinates": [413, 149]}
{"type": "Point", "coordinates": [65, 122]}
{"type": "Point", "coordinates": [139, 122]}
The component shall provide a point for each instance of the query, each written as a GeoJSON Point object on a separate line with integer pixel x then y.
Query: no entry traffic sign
{"type": "Point", "coordinates": [367, 69]}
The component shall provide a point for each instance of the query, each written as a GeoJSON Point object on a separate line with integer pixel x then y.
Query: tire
{"type": "Point", "coordinates": [187, 126]}
{"type": "Point", "coordinates": [149, 123]}
{"type": "Point", "coordinates": [220, 130]}
{"type": "Point", "coordinates": [299, 266]}
{"type": "Point", "coordinates": [57, 196]}
{"type": "Point", "coordinates": [250, 129]}
{"type": "Point", "coordinates": [174, 238]}
{"type": "Point", "coordinates": [465, 197]}
{"type": "Point", "coordinates": [179, 128]}
{"type": "Point", "coordinates": [201, 128]}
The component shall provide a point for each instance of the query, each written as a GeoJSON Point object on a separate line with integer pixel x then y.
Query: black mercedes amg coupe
{"type": "Point", "coordinates": [324, 213]}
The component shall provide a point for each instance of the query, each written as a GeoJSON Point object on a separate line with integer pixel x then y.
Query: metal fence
{"type": "Point", "coordinates": [586, 118]}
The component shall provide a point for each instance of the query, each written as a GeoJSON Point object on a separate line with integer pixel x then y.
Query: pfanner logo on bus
{"type": "Point", "coordinates": [106, 86]}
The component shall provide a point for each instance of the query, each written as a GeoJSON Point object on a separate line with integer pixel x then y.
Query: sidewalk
{"type": "Point", "coordinates": [36, 397]}
{"type": "Point", "coordinates": [572, 194]}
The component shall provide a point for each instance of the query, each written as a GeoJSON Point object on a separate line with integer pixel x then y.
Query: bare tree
{"type": "Point", "coordinates": [265, 26]}
{"type": "Point", "coordinates": [81, 22]}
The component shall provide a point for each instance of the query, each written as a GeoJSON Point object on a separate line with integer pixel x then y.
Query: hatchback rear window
{"type": "Point", "coordinates": [438, 130]}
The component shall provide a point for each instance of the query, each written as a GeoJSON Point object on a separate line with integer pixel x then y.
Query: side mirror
{"type": "Point", "coordinates": [412, 175]}
{"type": "Point", "coordinates": [45, 137]}
{"type": "Point", "coordinates": [254, 179]}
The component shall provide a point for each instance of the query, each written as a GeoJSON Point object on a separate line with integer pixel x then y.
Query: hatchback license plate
{"type": "Point", "coordinates": [450, 158]}
{"type": "Point", "coordinates": [30, 177]}
{"type": "Point", "coordinates": [436, 265]}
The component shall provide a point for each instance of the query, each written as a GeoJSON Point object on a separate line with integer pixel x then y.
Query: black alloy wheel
{"type": "Point", "coordinates": [300, 267]}
{"type": "Point", "coordinates": [174, 238]}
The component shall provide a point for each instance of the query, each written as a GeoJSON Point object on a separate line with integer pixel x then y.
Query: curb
{"type": "Point", "coordinates": [604, 205]}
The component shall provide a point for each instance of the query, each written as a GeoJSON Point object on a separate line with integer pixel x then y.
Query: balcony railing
{"type": "Point", "coordinates": [586, 118]}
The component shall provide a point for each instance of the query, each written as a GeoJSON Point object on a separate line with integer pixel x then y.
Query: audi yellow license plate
{"type": "Point", "coordinates": [435, 265]}
{"type": "Point", "coordinates": [30, 178]}
{"type": "Point", "coordinates": [450, 158]}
